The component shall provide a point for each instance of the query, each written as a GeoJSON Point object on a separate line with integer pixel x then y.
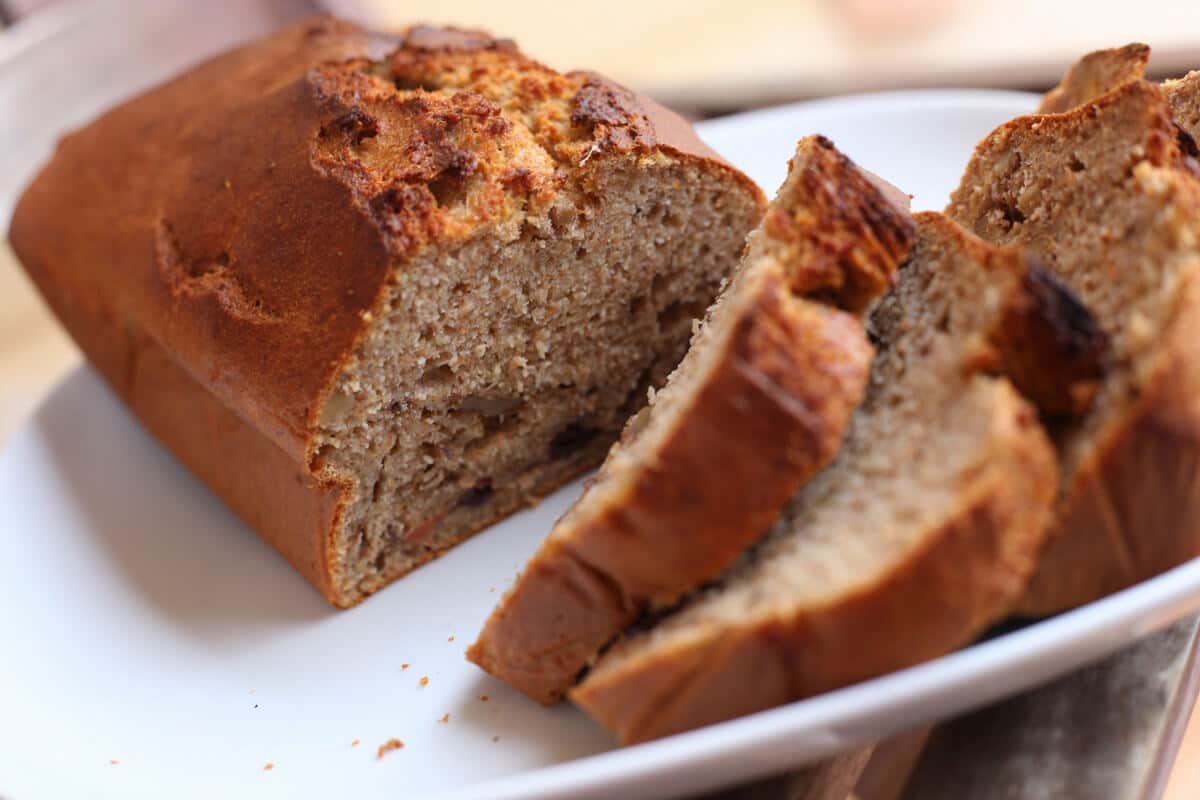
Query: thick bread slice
{"type": "Point", "coordinates": [378, 292]}
{"type": "Point", "coordinates": [1105, 198]}
{"type": "Point", "coordinates": [921, 533]}
{"type": "Point", "coordinates": [758, 405]}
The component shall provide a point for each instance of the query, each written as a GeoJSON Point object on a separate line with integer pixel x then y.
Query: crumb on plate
{"type": "Point", "coordinates": [424, 680]}
{"type": "Point", "coordinates": [270, 765]}
{"type": "Point", "coordinates": [387, 747]}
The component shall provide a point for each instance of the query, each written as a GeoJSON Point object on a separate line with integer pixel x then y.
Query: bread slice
{"type": "Point", "coordinates": [758, 405]}
{"type": "Point", "coordinates": [379, 292]}
{"type": "Point", "coordinates": [1106, 199]}
{"type": "Point", "coordinates": [921, 533]}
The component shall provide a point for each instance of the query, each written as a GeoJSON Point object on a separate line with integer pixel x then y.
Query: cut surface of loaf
{"type": "Point", "coordinates": [921, 532]}
{"type": "Point", "coordinates": [1106, 199]}
{"type": "Point", "coordinates": [758, 405]}
{"type": "Point", "coordinates": [380, 291]}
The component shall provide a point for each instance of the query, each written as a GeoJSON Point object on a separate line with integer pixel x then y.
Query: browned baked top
{"type": "Point", "coordinates": [249, 213]}
{"type": "Point", "coordinates": [1097, 73]}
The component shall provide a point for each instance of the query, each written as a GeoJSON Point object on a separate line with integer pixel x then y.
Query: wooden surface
{"type": "Point", "coordinates": [830, 780]}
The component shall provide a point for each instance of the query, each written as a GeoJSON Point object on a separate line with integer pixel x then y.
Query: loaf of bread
{"type": "Point", "coordinates": [1105, 195]}
{"type": "Point", "coordinates": [379, 292]}
{"type": "Point", "coordinates": [758, 406]}
{"type": "Point", "coordinates": [921, 533]}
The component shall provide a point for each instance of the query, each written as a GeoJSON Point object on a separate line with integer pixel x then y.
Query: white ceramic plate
{"type": "Point", "coordinates": [152, 646]}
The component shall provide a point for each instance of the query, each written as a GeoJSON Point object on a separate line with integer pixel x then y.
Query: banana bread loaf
{"type": "Point", "coordinates": [758, 406]}
{"type": "Point", "coordinates": [379, 292]}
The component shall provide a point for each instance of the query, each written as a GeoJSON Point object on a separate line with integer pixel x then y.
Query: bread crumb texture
{"type": "Point", "coordinates": [387, 747]}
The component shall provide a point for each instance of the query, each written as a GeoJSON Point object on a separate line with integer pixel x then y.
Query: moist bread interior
{"type": "Point", "coordinates": [505, 359]}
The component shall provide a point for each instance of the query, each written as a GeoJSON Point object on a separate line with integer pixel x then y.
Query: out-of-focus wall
{"type": "Point", "coordinates": [716, 54]}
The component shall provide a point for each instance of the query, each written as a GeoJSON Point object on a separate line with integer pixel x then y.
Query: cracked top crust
{"type": "Point", "coordinates": [253, 209]}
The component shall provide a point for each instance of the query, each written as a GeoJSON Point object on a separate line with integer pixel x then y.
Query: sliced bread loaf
{"type": "Point", "coordinates": [758, 405]}
{"type": "Point", "coordinates": [379, 291]}
{"type": "Point", "coordinates": [1104, 196]}
{"type": "Point", "coordinates": [922, 531]}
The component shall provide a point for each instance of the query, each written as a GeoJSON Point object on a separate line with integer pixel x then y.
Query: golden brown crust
{"type": "Point", "coordinates": [1096, 74]}
{"type": "Point", "coordinates": [786, 381]}
{"type": "Point", "coordinates": [843, 238]}
{"type": "Point", "coordinates": [965, 574]}
{"type": "Point", "coordinates": [244, 219]}
{"type": "Point", "coordinates": [1133, 510]}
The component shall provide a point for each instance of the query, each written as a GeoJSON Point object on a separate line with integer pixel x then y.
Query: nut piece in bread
{"type": "Point", "coordinates": [378, 292]}
{"type": "Point", "coordinates": [1106, 200]}
{"type": "Point", "coordinates": [920, 534]}
{"type": "Point", "coordinates": [757, 407]}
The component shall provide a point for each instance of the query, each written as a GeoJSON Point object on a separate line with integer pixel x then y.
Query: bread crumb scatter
{"type": "Point", "coordinates": [270, 765]}
{"type": "Point", "coordinates": [387, 747]}
{"type": "Point", "coordinates": [355, 743]}
{"type": "Point", "coordinates": [451, 639]}
{"type": "Point", "coordinates": [483, 698]}
{"type": "Point", "coordinates": [404, 666]}
{"type": "Point", "coordinates": [424, 681]}
{"type": "Point", "coordinates": [445, 718]}
{"type": "Point", "coordinates": [113, 761]}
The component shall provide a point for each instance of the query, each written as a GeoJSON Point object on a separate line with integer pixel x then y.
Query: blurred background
{"type": "Point", "coordinates": [703, 57]}
{"type": "Point", "coordinates": [63, 61]}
